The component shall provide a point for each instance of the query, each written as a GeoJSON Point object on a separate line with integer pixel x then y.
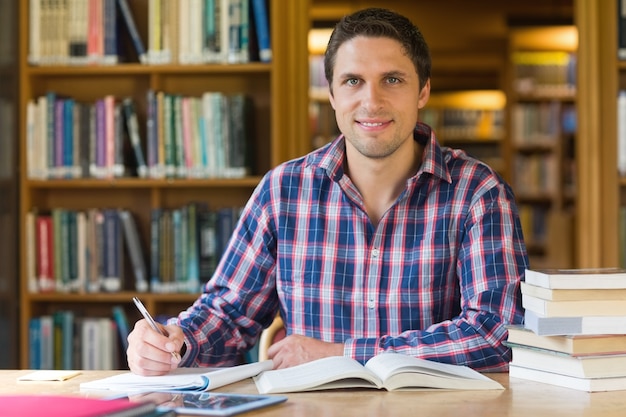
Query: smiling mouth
{"type": "Point", "coordinates": [370, 124]}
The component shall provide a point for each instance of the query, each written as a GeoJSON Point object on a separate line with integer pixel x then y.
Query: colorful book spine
{"type": "Point", "coordinates": [129, 22]}
{"type": "Point", "coordinates": [262, 24]}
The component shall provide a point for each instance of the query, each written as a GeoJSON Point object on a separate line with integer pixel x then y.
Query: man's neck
{"type": "Point", "coordinates": [381, 181]}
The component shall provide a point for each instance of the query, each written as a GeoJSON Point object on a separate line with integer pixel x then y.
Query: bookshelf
{"type": "Point", "coordinates": [542, 139]}
{"type": "Point", "coordinates": [472, 120]}
{"type": "Point", "coordinates": [268, 85]}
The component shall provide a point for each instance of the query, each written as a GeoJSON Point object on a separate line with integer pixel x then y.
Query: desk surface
{"type": "Point", "coordinates": [521, 398]}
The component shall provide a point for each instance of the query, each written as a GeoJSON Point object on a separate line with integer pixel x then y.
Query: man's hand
{"type": "Point", "coordinates": [295, 349]}
{"type": "Point", "coordinates": [150, 353]}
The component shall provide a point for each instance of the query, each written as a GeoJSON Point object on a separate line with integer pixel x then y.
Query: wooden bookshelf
{"type": "Point", "coordinates": [269, 84]}
{"type": "Point", "coordinates": [472, 120]}
{"type": "Point", "coordinates": [542, 118]}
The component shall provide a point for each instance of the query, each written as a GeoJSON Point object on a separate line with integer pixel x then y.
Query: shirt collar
{"type": "Point", "coordinates": [330, 157]}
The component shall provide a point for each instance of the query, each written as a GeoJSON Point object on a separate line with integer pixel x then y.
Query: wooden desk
{"type": "Point", "coordinates": [520, 399]}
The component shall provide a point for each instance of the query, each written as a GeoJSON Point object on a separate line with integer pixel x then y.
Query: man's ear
{"type": "Point", "coordinates": [424, 95]}
{"type": "Point", "coordinates": [331, 98]}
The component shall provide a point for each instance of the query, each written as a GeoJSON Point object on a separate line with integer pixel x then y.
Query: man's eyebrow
{"type": "Point", "coordinates": [347, 75]}
{"type": "Point", "coordinates": [399, 74]}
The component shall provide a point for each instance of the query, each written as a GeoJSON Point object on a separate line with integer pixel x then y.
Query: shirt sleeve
{"type": "Point", "coordinates": [240, 299]}
{"type": "Point", "coordinates": [491, 262]}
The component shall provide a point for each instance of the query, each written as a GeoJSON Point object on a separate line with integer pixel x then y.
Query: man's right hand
{"type": "Point", "coordinates": [150, 353]}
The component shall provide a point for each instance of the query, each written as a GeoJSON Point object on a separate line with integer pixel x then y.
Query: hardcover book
{"type": "Point", "coordinates": [592, 278]}
{"type": "Point", "coordinates": [581, 384]}
{"type": "Point", "coordinates": [591, 366]}
{"type": "Point", "coordinates": [580, 325]}
{"type": "Point", "coordinates": [390, 371]}
{"type": "Point", "coordinates": [575, 345]}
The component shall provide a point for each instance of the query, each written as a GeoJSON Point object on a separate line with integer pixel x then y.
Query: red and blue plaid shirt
{"type": "Point", "coordinates": [437, 278]}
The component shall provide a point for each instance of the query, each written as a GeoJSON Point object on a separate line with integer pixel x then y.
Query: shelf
{"type": "Point", "coordinates": [140, 69]}
{"type": "Point", "coordinates": [121, 183]}
{"type": "Point", "coordinates": [271, 88]}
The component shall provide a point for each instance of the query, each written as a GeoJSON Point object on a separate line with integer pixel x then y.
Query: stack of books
{"type": "Point", "coordinates": [574, 332]}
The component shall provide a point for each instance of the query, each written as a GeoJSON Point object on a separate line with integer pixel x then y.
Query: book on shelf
{"type": "Point", "coordinates": [184, 379]}
{"type": "Point", "coordinates": [588, 366]}
{"type": "Point", "coordinates": [122, 326]}
{"type": "Point", "coordinates": [593, 278]}
{"type": "Point", "coordinates": [621, 30]}
{"type": "Point", "coordinates": [581, 384]}
{"type": "Point", "coordinates": [74, 406]}
{"type": "Point", "coordinates": [132, 129]}
{"type": "Point", "coordinates": [133, 244]}
{"type": "Point", "coordinates": [260, 10]}
{"type": "Point", "coordinates": [580, 325]}
{"type": "Point", "coordinates": [129, 23]}
{"type": "Point", "coordinates": [575, 345]}
{"type": "Point", "coordinates": [390, 371]}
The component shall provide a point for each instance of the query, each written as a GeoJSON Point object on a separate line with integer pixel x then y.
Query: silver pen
{"type": "Point", "coordinates": [146, 315]}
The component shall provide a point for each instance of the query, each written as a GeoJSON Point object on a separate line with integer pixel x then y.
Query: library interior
{"type": "Point", "coordinates": [117, 145]}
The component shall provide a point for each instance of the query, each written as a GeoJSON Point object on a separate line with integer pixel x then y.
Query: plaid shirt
{"type": "Point", "coordinates": [437, 278]}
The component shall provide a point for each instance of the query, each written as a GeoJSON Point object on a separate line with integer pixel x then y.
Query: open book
{"type": "Point", "coordinates": [390, 371]}
{"type": "Point", "coordinates": [188, 379]}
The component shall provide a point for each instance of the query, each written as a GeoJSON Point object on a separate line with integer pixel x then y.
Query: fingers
{"type": "Point", "coordinates": [150, 353]}
{"type": "Point", "coordinates": [295, 350]}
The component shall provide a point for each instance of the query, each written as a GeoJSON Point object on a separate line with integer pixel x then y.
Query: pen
{"type": "Point", "coordinates": [146, 315]}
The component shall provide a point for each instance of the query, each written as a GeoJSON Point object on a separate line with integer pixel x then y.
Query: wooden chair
{"type": "Point", "coordinates": [272, 334]}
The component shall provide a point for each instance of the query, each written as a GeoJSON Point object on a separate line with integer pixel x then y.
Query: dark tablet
{"type": "Point", "coordinates": [207, 403]}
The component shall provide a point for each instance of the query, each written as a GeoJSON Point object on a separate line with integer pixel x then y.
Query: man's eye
{"type": "Point", "coordinates": [393, 80]}
{"type": "Point", "coordinates": [352, 81]}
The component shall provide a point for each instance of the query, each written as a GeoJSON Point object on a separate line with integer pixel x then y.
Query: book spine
{"type": "Point", "coordinates": [45, 253]}
{"type": "Point", "coordinates": [47, 342]}
{"type": "Point", "coordinates": [155, 249]}
{"type": "Point", "coordinates": [113, 262]}
{"type": "Point", "coordinates": [129, 22]}
{"type": "Point", "coordinates": [109, 17]}
{"type": "Point", "coordinates": [207, 231]}
{"type": "Point", "coordinates": [31, 251]}
{"type": "Point", "coordinates": [131, 236]}
{"type": "Point", "coordinates": [34, 343]}
{"type": "Point", "coordinates": [262, 24]}
{"type": "Point", "coordinates": [234, 31]}
{"type": "Point", "coordinates": [35, 23]}
{"type": "Point", "coordinates": [132, 126]}
{"type": "Point", "coordinates": [621, 29]}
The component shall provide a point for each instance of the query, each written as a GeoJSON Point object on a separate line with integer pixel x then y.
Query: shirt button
{"type": "Point", "coordinates": [371, 304]}
{"type": "Point", "coordinates": [375, 253]}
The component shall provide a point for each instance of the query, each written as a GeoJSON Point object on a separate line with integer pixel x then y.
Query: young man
{"type": "Point", "coordinates": [381, 240]}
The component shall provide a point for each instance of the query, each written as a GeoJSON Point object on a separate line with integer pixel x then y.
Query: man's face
{"type": "Point", "coordinates": [376, 95]}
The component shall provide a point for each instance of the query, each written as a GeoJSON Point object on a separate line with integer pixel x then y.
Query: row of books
{"type": "Point", "coordinates": [574, 332]}
{"type": "Point", "coordinates": [536, 174]}
{"type": "Point", "coordinates": [549, 73]}
{"type": "Point", "coordinates": [83, 251]}
{"type": "Point", "coordinates": [464, 123]}
{"type": "Point", "coordinates": [79, 32]}
{"type": "Point", "coordinates": [186, 137]}
{"type": "Point", "coordinates": [534, 220]}
{"type": "Point", "coordinates": [65, 340]}
{"type": "Point", "coordinates": [536, 123]}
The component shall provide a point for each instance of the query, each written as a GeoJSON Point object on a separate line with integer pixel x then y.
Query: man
{"type": "Point", "coordinates": [380, 241]}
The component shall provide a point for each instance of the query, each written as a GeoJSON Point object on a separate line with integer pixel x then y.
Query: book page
{"type": "Point", "coordinates": [193, 379]}
{"type": "Point", "coordinates": [402, 371]}
{"type": "Point", "coordinates": [327, 373]}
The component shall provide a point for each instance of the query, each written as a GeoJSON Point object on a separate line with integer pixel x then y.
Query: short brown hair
{"type": "Point", "coordinates": [378, 22]}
